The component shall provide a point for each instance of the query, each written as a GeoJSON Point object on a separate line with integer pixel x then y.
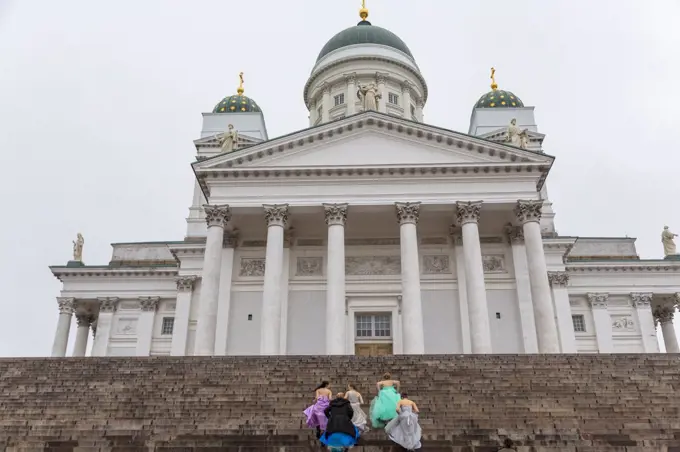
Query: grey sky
{"type": "Point", "coordinates": [100, 102]}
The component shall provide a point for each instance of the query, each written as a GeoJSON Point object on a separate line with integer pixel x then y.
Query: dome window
{"type": "Point", "coordinates": [393, 99]}
{"type": "Point", "coordinates": [339, 99]}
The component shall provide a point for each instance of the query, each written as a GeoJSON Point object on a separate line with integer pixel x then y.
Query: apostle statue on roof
{"type": "Point", "coordinates": [228, 139]}
{"type": "Point", "coordinates": [369, 95]}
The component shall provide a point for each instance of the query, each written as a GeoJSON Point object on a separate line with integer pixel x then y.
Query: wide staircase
{"type": "Point", "coordinates": [254, 404]}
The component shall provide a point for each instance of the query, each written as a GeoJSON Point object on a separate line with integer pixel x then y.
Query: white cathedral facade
{"type": "Point", "coordinates": [371, 232]}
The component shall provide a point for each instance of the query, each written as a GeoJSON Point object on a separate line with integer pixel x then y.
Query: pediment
{"type": "Point", "coordinates": [373, 139]}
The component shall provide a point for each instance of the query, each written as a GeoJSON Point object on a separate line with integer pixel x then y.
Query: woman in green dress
{"type": "Point", "coordinates": [384, 406]}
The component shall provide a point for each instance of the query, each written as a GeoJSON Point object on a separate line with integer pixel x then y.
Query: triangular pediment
{"type": "Point", "coordinates": [373, 139]}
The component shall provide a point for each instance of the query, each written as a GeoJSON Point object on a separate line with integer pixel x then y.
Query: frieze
{"type": "Point", "coordinates": [372, 242]}
{"type": "Point", "coordinates": [373, 265]}
{"type": "Point", "coordinates": [621, 322]}
{"type": "Point", "coordinates": [493, 263]}
{"type": "Point", "coordinates": [309, 266]}
{"type": "Point", "coordinates": [253, 267]}
{"type": "Point", "coordinates": [433, 241]}
{"type": "Point", "coordinates": [254, 243]}
{"type": "Point", "coordinates": [489, 240]}
{"type": "Point", "coordinates": [128, 305]}
{"type": "Point", "coordinates": [310, 242]}
{"type": "Point", "coordinates": [436, 264]}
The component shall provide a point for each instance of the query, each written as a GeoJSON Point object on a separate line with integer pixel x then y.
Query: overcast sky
{"type": "Point", "coordinates": [100, 102]}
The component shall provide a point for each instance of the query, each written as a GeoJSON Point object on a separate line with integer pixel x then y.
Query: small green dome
{"type": "Point", "coordinates": [364, 33]}
{"type": "Point", "coordinates": [498, 98]}
{"type": "Point", "coordinates": [238, 103]}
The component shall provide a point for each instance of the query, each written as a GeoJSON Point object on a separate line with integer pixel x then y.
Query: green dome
{"type": "Point", "coordinates": [238, 103]}
{"type": "Point", "coordinates": [364, 33]}
{"type": "Point", "coordinates": [498, 98]}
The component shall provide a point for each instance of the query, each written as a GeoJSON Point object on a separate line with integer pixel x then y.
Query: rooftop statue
{"type": "Point", "coordinates": [369, 95]}
{"type": "Point", "coordinates": [228, 139]}
{"type": "Point", "coordinates": [78, 248]}
{"type": "Point", "coordinates": [668, 244]}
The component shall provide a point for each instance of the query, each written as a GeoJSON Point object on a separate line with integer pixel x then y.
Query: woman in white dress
{"type": "Point", "coordinates": [404, 429]}
{"type": "Point", "coordinates": [359, 419]}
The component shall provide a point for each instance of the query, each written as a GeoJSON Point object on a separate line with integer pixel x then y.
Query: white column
{"type": "Point", "coordinates": [82, 334]}
{"type": "Point", "coordinates": [642, 302]}
{"type": "Point", "coordinates": [565, 325]}
{"type": "Point", "coordinates": [107, 308]}
{"type": "Point", "coordinates": [602, 320]}
{"type": "Point", "coordinates": [664, 315]}
{"type": "Point", "coordinates": [312, 113]}
{"type": "Point", "coordinates": [288, 241]}
{"type": "Point", "coordinates": [229, 242]}
{"type": "Point", "coordinates": [216, 217]}
{"type": "Point", "coordinates": [180, 327]}
{"type": "Point", "coordinates": [419, 110]}
{"type": "Point", "coordinates": [66, 309]}
{"type": "Point", "coordinates": [457, 241]}
{"type": "Point", "coordinates": [515, 236]}
{"type": "Point", "coordinates": [147, 315]}
{"type": "Point", "coordinates": [336, 333]}
{"type": "Point", "coordinates": [326, 103]}
{"type": "Point", "coordinates": [529, 215]}
{"type": "Point", "coordinates": [467, 214]}
{"type": "Point", "coordinates": [351, 95]}
{"type": "Point", "coordinates": [276, 216]}
{"type": "Point", "coordinates": [406, 99]}
{"type": "Point", "coordinates": [382, 102]}
{"type": "Point", "coordinates": [411, 304]}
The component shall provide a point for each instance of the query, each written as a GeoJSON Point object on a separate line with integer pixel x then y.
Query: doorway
{"type": "Point", "coordinates": [373, 334]}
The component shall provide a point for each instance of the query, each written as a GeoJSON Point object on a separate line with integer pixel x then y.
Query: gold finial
{"type": "Point", "coordinates": [363, 12]}
{"type": "Point", "coordinates": [240, 85]}
{"type": "Point", "coordinates": [494, 85]}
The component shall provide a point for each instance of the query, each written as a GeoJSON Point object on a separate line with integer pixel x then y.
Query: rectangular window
{"type": "Point", "coordinates": [579, 323]}
{"type": "Point", "coordinates": [413, 110]}
{"type": "Point", "coordinates": [339, 99]}
{"type": "Point", "coordinates": [168, 325]}
{"type": "Point", "coordinates": [393, 98]}
{"type": "Point", "coordinates": [319, 112]}
{"type": "Point", "coordinates": [374, 325]}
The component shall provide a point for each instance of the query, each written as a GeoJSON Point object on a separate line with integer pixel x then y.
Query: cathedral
{"type": "Point", "coordinates": [370, 232]}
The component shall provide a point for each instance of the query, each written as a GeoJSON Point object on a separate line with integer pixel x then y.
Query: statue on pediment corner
{"type": "Point", "coordinates": [515, 135]}
{"type": "Point", "coordinates": [228, 139]}
{"type": "Point", "coordinates": [369, 95]}
{"type": "Point", "coordinates": [78, 244]}
{"type": "Point", "coordinates": [667, 237]}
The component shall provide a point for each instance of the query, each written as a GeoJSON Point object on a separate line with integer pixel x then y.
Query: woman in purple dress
{"type": "Point", "coordinates": [316, 416]}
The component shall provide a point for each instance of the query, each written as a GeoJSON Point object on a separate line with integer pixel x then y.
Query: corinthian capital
{"type": "Point", "coordinates": [217, 215]}
{"type": "Point", "coordinates": [336, 214]}
{"type": "Point", "coordinates": [186, 283]}
{"type": "Point", "coordinates": [66, 305]}
{"type": "Point", "coordinates": [380, 77]}
{"type": "Point", "coordinates": [351, 78]}
{"type": "Point", "coordinates": [276, 214]}
{"type": "Point", "coordinates": [408, 212]}
{"type": "Point", "coordinates": [468, 212]}
{"type": "Point", "coordinates": [325, 88]}
{"type": "Point", "coordinates": [230, 239]}
{"type": "Point", "coordinates": [664, 314]}
{"type": "Point", "coordinates": [148, 303]}
{"type": "Point", "coordinates": [514, 234]}
{"type": "Point", "coordinates": [598, 300]}
{"type": "Point", "coordinates": [108, 304]}
{"type": "Point", "coordinates": [406, 87]}
{"type": "Point", "coordinates": [558, 279]}
{"type": "Point", "coordinates": [84, 320]}
{"type": "Point", "coordinates": [528, 210]}
{"type": "Point", "coordinates": [641, 300]}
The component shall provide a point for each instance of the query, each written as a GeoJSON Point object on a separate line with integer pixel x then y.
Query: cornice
{"type": "Point", "coordinates": [623, 267]}
{"type": "Point", "coordinates": [62, 273]}
{"type": "Point", "coordinates": [315, 75]}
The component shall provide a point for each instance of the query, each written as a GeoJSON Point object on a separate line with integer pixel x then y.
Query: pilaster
{"type": "Point", "coordinates": [336, 333]}
{"type": "Point", "coordinates": [559, 282]}
{"type": "Point", "coordinates": [180, 329]}
{"type": "Point", "coordinates": [515, 238]}
{"type": "Point", "coordinates": [602, 319]}
{"type": "Point", "coordinates": [642, 302]}
{"type": "Point", "coordinates": [66, 308]}
{"type": "Point", "coordinates": [229, 244]}
{"type": "Point", "coordinates": [147, 315]}
{"type": "Point", "coordinates": [107, 309]}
